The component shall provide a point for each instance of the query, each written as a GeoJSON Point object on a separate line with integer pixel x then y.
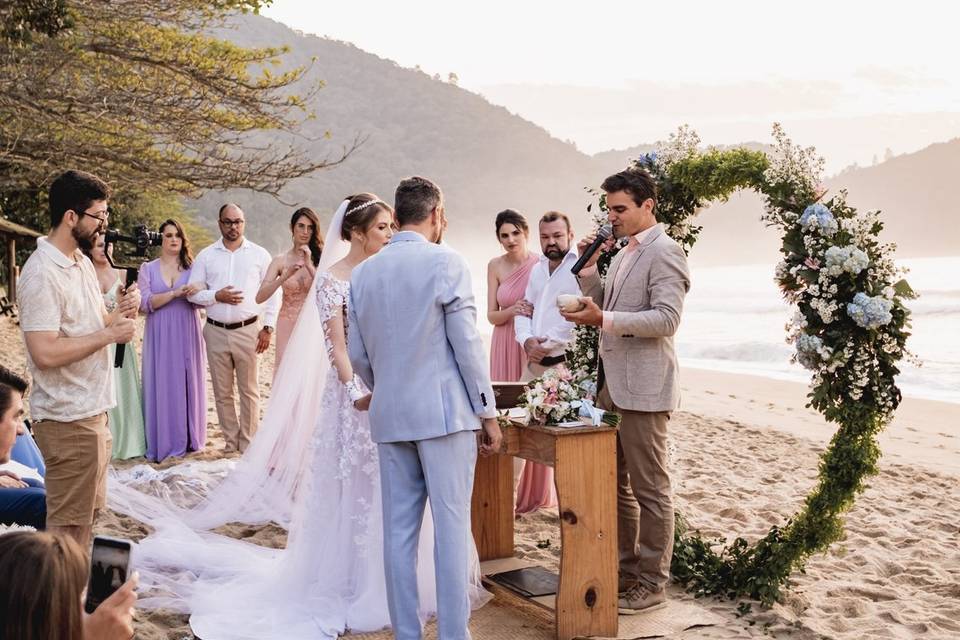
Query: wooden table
{"type": "Point", "coordinates": [584, 462]}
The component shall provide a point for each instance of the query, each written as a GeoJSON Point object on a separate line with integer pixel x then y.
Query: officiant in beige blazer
{"type": "Point", "coordinates": [638, 309]}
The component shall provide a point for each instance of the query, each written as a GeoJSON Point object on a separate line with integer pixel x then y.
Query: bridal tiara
{"type": "Point", "coordinates": [363, 206]}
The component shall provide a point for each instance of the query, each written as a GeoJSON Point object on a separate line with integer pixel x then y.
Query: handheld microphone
{"type": "Point", "coordinates": [603, 233]}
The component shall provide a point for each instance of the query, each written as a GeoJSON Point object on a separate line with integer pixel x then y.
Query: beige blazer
{"type": "Point", "coordinates": [637, 357]}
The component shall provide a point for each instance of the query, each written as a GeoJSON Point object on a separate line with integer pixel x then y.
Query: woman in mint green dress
{"type": "Point", "coordinates": [126, 419]}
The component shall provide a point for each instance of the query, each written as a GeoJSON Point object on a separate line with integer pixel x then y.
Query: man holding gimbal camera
{"type": "Point", "coordinates": [67, 331]}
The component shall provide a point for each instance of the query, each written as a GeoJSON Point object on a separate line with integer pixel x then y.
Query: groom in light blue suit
{"type": "Point", "coordinates": [413, 340]}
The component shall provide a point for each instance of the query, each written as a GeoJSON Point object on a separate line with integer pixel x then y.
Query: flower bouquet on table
{"type": "Point", "coordinates": [559, 396]}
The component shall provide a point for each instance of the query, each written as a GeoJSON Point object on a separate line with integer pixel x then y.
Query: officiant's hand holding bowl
{"type": "Point", "coordinates": [589, 313]}
{"type": "Point", "coordinates": [569, 302]}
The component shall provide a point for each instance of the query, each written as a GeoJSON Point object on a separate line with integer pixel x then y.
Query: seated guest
{"type": "Point", "coordinates": [174, 354]}
{"type": "Point", "coordinates": [22, 499]}
{"type": "Point", "coordinates": [26, 452]}
{"type": "Point", "coordinates": [41, 594]}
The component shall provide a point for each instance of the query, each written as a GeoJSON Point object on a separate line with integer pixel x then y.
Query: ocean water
{"type": "Point", "coordinates": [734, 321]}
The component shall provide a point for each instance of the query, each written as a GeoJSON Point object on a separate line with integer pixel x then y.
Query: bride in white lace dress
{"type": "Point", "coordinates": [330, 577]}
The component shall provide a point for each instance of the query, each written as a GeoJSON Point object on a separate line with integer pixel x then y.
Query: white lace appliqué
{"type": "Point", "coordinates": [345, 438]}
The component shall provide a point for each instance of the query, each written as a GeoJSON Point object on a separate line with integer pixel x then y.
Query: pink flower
{"type": "Point", "coordinates": [812, 263]}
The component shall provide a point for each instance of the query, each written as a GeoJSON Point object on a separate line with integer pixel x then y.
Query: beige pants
{"type": "Point", "coordinates": [76, 455]}
{"type": "Point", "coordinates": [532, 370]}
{"type": "Point", "coordinates": [644, 497]}
{"type": "Point", "coordinates": [232, 354]}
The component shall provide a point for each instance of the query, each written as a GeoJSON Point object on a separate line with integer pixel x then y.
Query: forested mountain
{"type": "Point", "coordinates": [487, 159]}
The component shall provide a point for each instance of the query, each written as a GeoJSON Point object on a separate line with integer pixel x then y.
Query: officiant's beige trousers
{"type": "Point", "coordinates": [232, 354]}
{"type": "Point", "coordinates": [644, 496]}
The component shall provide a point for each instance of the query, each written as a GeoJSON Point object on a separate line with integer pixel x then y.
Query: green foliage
{"type": "Point", "coordinates": [24, 20]}
{"type": "Point", "coordinates": [152, 210]}
{"type": "Point", "coordinates": [140, 94]}
{"type": "Point", "coordinates": [854, 366]}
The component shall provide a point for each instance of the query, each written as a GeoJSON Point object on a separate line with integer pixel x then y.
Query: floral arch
{"type": "Point", "coordinates": [849, 330]}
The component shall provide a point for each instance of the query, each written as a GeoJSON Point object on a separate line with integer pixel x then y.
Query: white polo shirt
{"type": "Point", "coordinates": [60, 293]}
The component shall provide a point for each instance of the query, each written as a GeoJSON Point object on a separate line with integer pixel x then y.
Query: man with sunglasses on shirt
{"type": "Point", "coordinates": [238, 330]}
{"type": "Point", "coordinates": [67, 331]}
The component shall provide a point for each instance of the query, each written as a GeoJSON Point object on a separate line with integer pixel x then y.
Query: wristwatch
{"type": "Point", "coordinates": [268, 329]}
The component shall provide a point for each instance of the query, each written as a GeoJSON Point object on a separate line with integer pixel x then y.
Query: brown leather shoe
{"type": "Point", "coordinates": [639, 599]}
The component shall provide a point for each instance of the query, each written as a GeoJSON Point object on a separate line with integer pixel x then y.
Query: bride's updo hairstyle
{"type": "Point", "coordinates": [362, 210]}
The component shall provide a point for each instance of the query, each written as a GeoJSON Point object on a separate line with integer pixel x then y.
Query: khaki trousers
{"type": "Point", "coordinates": [77, 455]}
{"type": "Point", "coordinates": [232, 354]}
{"type": "Point", "coordinates": [532, 370]}
{"type": "Point", "coordinates": [644, 498]}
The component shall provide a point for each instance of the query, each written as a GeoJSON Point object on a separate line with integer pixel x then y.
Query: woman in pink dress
{"type": "Point", "coordinates": [507, 277]}
{"type": "Point", "coordinates": [294, 271]}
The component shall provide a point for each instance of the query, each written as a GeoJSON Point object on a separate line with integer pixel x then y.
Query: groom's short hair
{"type": "Point", "coordinates": [415, 200]}
{"type": "Point", "coordinates": [635, 181]}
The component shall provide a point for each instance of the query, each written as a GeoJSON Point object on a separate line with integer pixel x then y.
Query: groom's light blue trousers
{"type": "Point", "coordinates": [441, 469]}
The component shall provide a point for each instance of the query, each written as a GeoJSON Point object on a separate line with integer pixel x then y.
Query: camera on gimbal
{"type": "Point", "coordinates": [142, 239]}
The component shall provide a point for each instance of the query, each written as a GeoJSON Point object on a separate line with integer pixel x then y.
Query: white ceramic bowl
{"type": "Point", "coordinates": [569, 302]}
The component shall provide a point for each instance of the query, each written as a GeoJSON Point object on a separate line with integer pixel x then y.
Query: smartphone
{"type": "Point", "coordinates": [109, 566]}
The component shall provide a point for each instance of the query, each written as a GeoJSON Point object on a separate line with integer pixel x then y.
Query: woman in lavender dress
{"type": "Point", "coordinates": [174, 360]}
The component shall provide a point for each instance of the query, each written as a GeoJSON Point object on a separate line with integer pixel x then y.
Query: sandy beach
{"type": "Point", "coordinates": [746, 455]}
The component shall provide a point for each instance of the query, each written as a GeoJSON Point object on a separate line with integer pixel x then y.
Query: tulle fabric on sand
{"type": "Point", "coordinates": [299, 473]}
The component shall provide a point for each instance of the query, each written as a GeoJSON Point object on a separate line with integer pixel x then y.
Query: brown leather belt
{"type": "Point", "coordinates": [550, 361]}
{"type": "Point", "coordinates": [230, 326]}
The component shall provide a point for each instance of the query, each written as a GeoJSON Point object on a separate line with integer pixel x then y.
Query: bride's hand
{"type": "Point", "coordinates": [363, 404]}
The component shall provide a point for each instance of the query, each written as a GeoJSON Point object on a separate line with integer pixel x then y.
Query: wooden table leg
{"type": "Point", "coordinates": [586, 478]}
{"type": "Point", "coordinates": [492, 507]}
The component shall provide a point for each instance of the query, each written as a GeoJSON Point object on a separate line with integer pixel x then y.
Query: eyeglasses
{"type": "Point", "coordinates": [231, 223]}
{"type": "Point", "coordinates": [101, 221]}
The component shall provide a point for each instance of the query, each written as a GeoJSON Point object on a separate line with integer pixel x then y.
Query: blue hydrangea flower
{"type": "Point", "coordinates": [649, 158]}
{"type": "Point", "coordinates": [870, 312]}
{"type": "Point", "coordinates": [849, 259]}
{"type": "Point", "coordinates": [810, 350]}
{"type": "Point", "coordinates": [818, 217]}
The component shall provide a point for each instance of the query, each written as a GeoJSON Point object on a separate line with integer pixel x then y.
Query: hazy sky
{"type": "Point", "coordinates": [852, 77]}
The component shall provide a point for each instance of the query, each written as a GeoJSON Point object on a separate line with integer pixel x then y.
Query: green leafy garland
{"type": "Point", "coordinates": [850, 330]}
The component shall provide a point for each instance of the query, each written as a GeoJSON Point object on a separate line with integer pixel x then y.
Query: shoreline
{"type": "Point", "coordinates": [922, 431]}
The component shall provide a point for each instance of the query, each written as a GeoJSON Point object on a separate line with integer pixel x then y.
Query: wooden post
{"type": "Point", "coordinates": [491, 509]}
{"type": "Point", "coordinates": [12, 268]}
{"type": "Point", "coordinates": [586, 478]}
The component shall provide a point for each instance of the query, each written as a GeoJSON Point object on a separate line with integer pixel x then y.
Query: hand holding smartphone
{"type": "Point", "coordinates": [109, 567]}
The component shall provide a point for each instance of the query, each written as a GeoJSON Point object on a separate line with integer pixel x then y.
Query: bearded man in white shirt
{"type": "Point", "coordinates": [546, 335]}
{"type": "Point", "coordinates": [229, 273]}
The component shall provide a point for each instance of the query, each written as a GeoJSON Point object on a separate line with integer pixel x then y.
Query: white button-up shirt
{"type": "Point", "coordinates": [542, 291]}
{"type": "Point", "coordinates": [244, 269]}
{"type": "Point", "coordinates": [60, 293]}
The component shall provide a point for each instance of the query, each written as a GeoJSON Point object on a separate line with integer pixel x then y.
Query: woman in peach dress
{"type": "Point", "coordinates": [294, 272]}
{"type": "Point", "coordinates": [507, 277]}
